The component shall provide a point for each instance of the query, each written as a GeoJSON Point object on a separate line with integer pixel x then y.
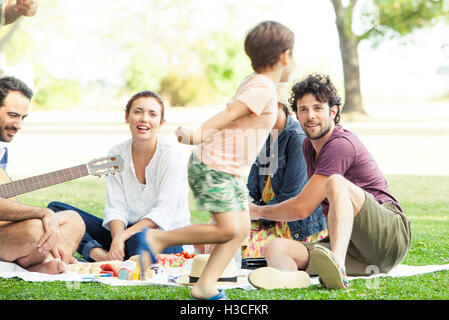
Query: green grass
{"type": "Point", "coordinates": [424, 200]}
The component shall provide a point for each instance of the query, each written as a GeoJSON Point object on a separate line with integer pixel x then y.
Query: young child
{"type": "Point", "coordinates": [229, 142]}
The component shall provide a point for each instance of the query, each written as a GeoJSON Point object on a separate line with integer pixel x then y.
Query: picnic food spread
{"type": "Point", "coordinates": [174, 260]}
{"type": "Point", "coordinates": [129, 270]}
{"type": "Point", "coordinates": [94, 267]}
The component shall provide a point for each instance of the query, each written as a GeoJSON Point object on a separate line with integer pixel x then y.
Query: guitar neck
{"type": "Point", "coordinates": [17, 187]}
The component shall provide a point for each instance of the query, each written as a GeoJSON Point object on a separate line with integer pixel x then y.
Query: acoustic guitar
{"type": "Point", "coordinates": [97, 167]}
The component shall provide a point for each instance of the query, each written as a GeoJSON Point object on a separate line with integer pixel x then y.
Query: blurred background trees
{"type": "Point", "coordinates": [95, 54]}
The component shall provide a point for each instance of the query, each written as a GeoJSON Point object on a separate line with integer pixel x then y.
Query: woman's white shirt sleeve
{"type": "Point", "coordinates": [116, 207]}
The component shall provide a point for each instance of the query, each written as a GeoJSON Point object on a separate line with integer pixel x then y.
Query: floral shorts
{"type": "Point", "coordinates": [216, 191]}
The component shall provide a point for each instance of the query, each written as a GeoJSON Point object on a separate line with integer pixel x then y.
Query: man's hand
{"type": "Point", "coordinates": [26, 8]}
{"type": "Point", "coordinates": [254, 211]}
{"type": "Point", "coordinates": [51, 232]}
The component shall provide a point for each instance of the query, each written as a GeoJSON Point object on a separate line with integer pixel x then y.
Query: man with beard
{"type": "Point", "coordinates": [37, 239]}
{"type": "Point", "coordinates": [368, 231]}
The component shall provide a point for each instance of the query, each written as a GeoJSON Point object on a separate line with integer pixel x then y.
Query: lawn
{"type": "Point", "coordinates": [424, 200]}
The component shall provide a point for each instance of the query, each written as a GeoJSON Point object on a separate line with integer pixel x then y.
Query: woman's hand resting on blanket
{"type": "Point", "coordinates": [117, 250]}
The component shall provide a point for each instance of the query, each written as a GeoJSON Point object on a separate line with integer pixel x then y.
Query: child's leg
{"type": "Point", "coordinates": [222, 253]}
{"type": "Point", "coordinates": [206, 248]}
{"type": "Point", "coordinates": [230, 230]}
{"type": "Point", "coordinates": [221, 232]}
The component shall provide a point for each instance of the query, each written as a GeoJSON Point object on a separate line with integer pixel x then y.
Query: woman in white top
{"type": "Point", "coordinates": [151, 191]}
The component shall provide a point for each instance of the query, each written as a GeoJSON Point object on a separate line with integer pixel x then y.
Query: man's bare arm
{"type": "Point", "coordinates": [14, 211]}
{"type": "Point", "coordinates": [297, 208]}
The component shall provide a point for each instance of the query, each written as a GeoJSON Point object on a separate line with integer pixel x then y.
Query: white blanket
{"type": "Point", "coordinates": [11, 270]}
{"type": "Point", "coordinates": [166, 278]}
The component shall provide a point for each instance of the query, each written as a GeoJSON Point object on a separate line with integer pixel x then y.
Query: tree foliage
{"type": "Point", "coordinates": [392, 18]}
{"type": "Point", "coordinates": [358, 20]}
{"type": "Point", "coordinates": [224, 61]}
{"type": "Point", "coordinates": [177, 47]}
{"type": "Point", "coordinates": [404, 17]}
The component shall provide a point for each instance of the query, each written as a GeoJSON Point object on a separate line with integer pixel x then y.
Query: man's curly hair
{"type": "Point", "coordinates": [321, 87]}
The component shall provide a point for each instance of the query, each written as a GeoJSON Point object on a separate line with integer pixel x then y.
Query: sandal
{"type": "Point", "coordinates": [141, 248]}
{"type": "Point", "coordinates": [221, 295]}
{"type": "Point", "coordinates": [331, 274]}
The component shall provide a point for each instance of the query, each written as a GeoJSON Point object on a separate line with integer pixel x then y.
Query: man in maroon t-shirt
{"type": "Point", "coordinates": [367, 230]}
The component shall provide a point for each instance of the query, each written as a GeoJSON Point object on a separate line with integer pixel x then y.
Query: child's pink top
{"type": "Point", "coordinates": [234, 148]}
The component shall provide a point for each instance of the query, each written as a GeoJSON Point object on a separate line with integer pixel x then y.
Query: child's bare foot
{"type": "Point", "coordinates": [151, 238]}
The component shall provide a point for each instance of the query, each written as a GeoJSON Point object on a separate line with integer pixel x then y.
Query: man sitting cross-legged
{"type": "Point", "coordinates": [37, 239]}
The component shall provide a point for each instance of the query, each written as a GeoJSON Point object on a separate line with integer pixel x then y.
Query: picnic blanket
{"type": "Point", "coordinates": [169, 276]}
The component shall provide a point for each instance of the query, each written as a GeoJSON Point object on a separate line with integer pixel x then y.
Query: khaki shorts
{"type": "Point", "coordinates": [216, 191]}
{"type": "Point", "coordinates": [381, 237]}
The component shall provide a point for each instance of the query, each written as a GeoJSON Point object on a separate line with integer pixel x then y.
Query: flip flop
{"type": "Point", "coordinates": [271, 278]}
{"type": "Point", "coordinates": [221, 295]}
{"type": "Point", "coordinates": [331, 274]}
{"type": "Point", "coordinates": [144, 247]}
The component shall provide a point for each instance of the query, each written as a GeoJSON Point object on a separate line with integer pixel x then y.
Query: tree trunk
{"type": "Point", "coordinates": [350, 58]}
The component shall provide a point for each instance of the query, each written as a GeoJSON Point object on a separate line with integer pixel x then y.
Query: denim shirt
{"type": "Point", "coordinates": [284, 161]}
{"type": "Point", "coordinates": [3, 156]}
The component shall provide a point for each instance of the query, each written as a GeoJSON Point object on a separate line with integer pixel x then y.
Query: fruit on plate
{"type": "Point", "coordinates": [95, 267]}
{"type": "Point", "coordinates": [173, 260]}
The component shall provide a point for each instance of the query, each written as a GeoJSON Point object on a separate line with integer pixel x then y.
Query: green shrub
{"type": "Point", "coordinates": [142, 74]}
{"type": "Point", "coordinates": [182, 90]}
{"type": "Point", "coordinates": [58, 94]}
